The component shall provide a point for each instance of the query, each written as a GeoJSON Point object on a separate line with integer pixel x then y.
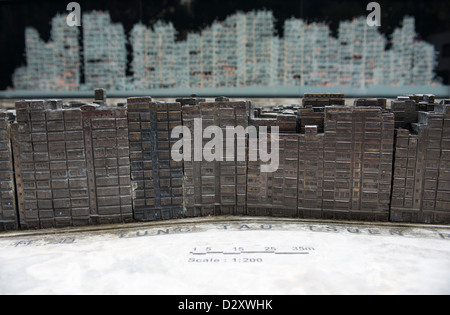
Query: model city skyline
{"type": "Point", "coordinates": [241, 51]}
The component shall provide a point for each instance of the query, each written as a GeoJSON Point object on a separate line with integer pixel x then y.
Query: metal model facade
{"type": "Point", "coordinates": [71, 165]}
{"type": "Point", "coordinates": [421, 191]}
{"type": "Point", "coordinates": [217, 187]}
{"type": "Point", "coordinates": [8, 213]}
{"type": "Point", "coordinates": [91, 164]}
{"type": "Point", "coordinates": [157, 180]}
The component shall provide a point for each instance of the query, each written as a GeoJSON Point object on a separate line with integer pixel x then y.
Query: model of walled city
{"type": "Point", "coordinates": [65, 165]}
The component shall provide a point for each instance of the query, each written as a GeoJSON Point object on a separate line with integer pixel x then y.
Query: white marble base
{"type": "Point", "coordinates": [252, 256]}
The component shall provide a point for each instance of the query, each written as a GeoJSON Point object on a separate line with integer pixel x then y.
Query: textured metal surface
{"type": "Point", "coordinates": [68, 174]}
{"type": "Point", "coordinates": [421, 175]}
{"type": "Point", "coordinates": [8, 213]}
{"type": "Point", "coordinates": [71, 166]}
{"type": "Point", "coordinates": [322, 100]}
{"type": "Point", "coordinates": [371, 102]}
{"type": "Point", "coordinates": [217, 187]}
{"type": "Point", "coordinates": [310, 173]}
{"type": "Point", "coordinates": [100, 165]}
{"type": "Point", "coordinates": [106, 130]}
{"type": "Point", "coordinates": [25, 166]}
{"type": "Point", "coordinates": [358, 150]}
{"type": "Point", "coordinates": [276, 193]}
{"type": "Point", "coordinates": [157, 180]}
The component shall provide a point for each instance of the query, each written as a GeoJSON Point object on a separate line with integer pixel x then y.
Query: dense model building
{"type": "Point", "coordinates": [71, 165]}
{"type": "Point", "coordinates": [75, 166]}
{"type": "Point", "coordinates": [343, 173]}
{"type": "Point", "coordinates": [275, 193]}
{"type": "Point", "coordinates": [41, 165]}
{"type": "Point", "coordinates": [216, 187]}
{"type": "Point", "coordinates": [8, 214]}
{"type": "Point", "coordinates": [108, 164]}
{"type": "Point", "coordinates": [156, 179]}
{"type": "Point", "coordinates": [421, 191]}
{"type": "Point", "coordinates": [358, 151]}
